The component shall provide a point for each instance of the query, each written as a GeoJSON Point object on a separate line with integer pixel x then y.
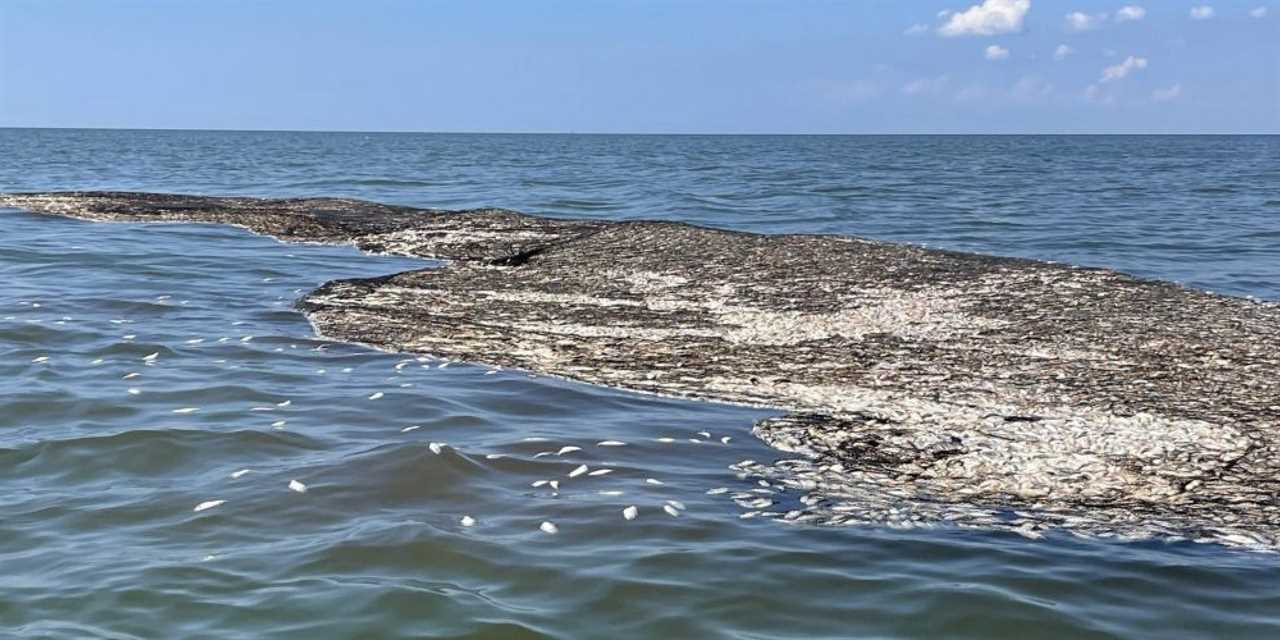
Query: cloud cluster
{"type": "Point", "coordinates": [1062, 52]}
{"type": "Point", "coordinates": [1130, 13]}
{"type": "Point", "coordinates": [996, 52]}
{"type": "Point", "coordinates": [1202, 12]}
{"type": "Point", "coordinates": [1120, 71]}
{"type": "Point", "coordinates": [1258, 12]}
{"type": "Point", "coordinates": [1081, 21]}
{"type": "Point", "coordinates": [992, 17]}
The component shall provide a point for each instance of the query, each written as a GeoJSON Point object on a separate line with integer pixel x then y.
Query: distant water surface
{"type": "Point", "coordinates": [142, 367]}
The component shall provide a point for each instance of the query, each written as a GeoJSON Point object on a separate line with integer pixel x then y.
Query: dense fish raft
{"type": "Point", "coordinates": [922, 386]}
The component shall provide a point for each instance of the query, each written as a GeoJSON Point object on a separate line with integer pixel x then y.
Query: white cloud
{"type": "Point", "coordinates": [1131, 12]}
{"type": "Point", "coordinates": [925, 86]}
{"type": "Point", "coordinates": [1119, 71]}
{"type": "Point", "coordinates": [1165, 95]}
{"type": "Point", "coordinates": [1078, 21]}
{"type": "Point", "coordinates": [1258, 12]}
{"type": "Point", "coordinates": [1202, 12]}
{"type": "Point", "coordinates": [916, 30]}
{"type": "Point", "coordinates": [992, 17]}
{"type": "Point", "coordinates": [1062, 52]}
{"type": "Point", "coordinates": [996, 52]}
{"type": "Point", "coordinates": [944, 13]}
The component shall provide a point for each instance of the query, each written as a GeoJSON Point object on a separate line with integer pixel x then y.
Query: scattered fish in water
{"type": "Point", "coordinates": [568, 449]}
{"type": "Point", "coordinates": [630, 513]}
{"type": "Point", "coordinates": [538, 483]}
{"type": "Point", "coordinates": [555, 484]}
{"type": "Point", "coordinates": [436, 447]}
{"type": "Point", "coordinates": [195, 341]}
{"type": "Point", "coordinates": [611, 443]}
{"type": "Point", "coordinates": [294, 485]}
{"type": "Point", "coordinates": [98, 361]}
{"type": "Point", "coordinates": [246, 338]}
{"type": "Point", "coordinates": [581, 469]}
{"type": "Point", "coordinates": [187, 410]}
{"type": "Point", "coordinates": [704, 434]}
{"type": "Point", "coordinates": [376, 395]}
{"type": "Point", "coordinates": [209, 504]}
{"type": "Point", "coordinates": [40, 359]}
{"type": "Point", "coordinates": [549, 527]}
{"type": "Point", "coordinates": [677, 504]}
{"type": "Point", "coordinates": [130, 376]}
{"type": "Point", "coordinates": [278, 424]}
{"type": "Point", "coordinates": [653, 481]}
{"type": "Point", "coordinates": [600, 472]}
{"type": "Point", "coordinates": [284, 404]}
{"type": "Point", "coordinates": [725, 440]}
{"type": "Point", "coordinates": [668, 440]}
{"type": "Point", "coordinates": [151, 357]}
{"type": "Point", "coordinates": [240, 473]}
{"type": "Point", "coordinates": [467, 521]}
{"type": "Point", "coordinates": [671, 511]}
{"type": "Point", "coordinates": [494, 456]}
{"type": "Point", "coordinates": [610, 492]}
{"type": "Point", "coordinates": [411, 428]}
{"type": "Point", "coordinates": [717, 491]}
{"type": "Point", "coordinates": [134, 391]}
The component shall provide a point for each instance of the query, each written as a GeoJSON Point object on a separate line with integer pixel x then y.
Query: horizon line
{"type": "Point", "coordinates": [659, 133]}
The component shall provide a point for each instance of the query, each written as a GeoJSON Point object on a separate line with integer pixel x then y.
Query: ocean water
{"type": "Point", "coordinates": [106, 449]}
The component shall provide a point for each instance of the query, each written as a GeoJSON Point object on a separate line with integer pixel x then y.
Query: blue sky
{"type": "Point", "coordinates": [798, 66]}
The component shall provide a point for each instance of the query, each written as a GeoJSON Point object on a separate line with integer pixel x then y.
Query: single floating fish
{"type": "Point", "coordinates": [600, 472]}
{"type": "Point", "coordinates": [581, 469]}
{"type": "Point", "coordinates": [725, 440]}
{"type": "Point", "coordinates": [653, 481]}
{"type": "Point", "coordinates": [376, 395]}
{"type": "Point", "coordinates": [40, 359]}
{"type": "Point", "coordinates": [134, 392]}
{"type": "Point", "coordinates": [151, 357]}
{"type": "Point", "coordinates": [569, 449]}
{"type": "Point", "coordinates": [284, 404]}
{"type": "Point", "coordinates": [610, 492]}
{"type": "Point", "coordinates": [240, 473]}
{"type": "Point", "coordinates": [677, 504]}
{"type": "Point", "coordinates": [611, 443]}
{"type": "Point", "coordinates": [294, 485]}
{"type": "Point", "coordinates": [630, 513]}
{"type": "Point", "coordinates": [208, 504]}
{"type": "Point", "coordinates": [467, 521]}
{"type": "Point", "coordinates": [671, 511]}
{"type": "Point", "coordinates": [549, 527]}
{"type": "Point", "coordinates": [279, 423]}
{"type": "Point", "coordinates": [187, 410]}
{"type": "Point", "coordinates": [412, 428]}
{"type": "Point", "coordinates": [667, 440]}
{"type": "Point", "coordinates": [436, 447]}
